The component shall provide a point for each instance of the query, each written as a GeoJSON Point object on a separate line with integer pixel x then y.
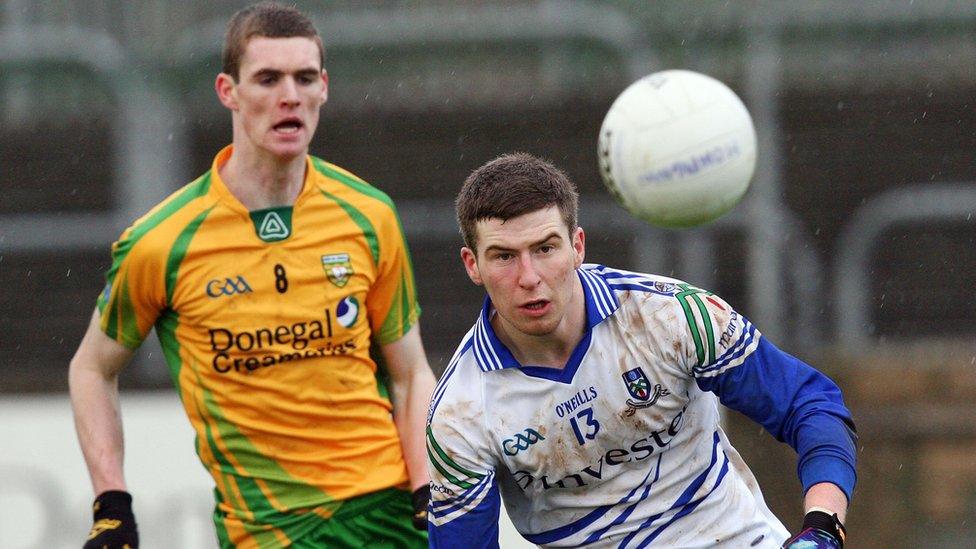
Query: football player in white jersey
{"type": "Point", "coordinates": [586, 397]}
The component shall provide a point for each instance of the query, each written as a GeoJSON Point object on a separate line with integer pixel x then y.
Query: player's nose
{"type": "Point", "coordinates": [289, 93]}
{"type": "Point", "coordinates": [528, 274]}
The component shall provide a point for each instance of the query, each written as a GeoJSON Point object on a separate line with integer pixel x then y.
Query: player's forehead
{"type": "Point", "coordinates": [521, 231]}
{"type": "Point", "coordinates": [288, 55]}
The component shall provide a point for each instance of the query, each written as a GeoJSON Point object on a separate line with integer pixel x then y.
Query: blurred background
{"type": "Point", "coordinates": [855, 248]}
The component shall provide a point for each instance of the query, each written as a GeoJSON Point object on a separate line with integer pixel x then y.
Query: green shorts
{"type": "Point", "coordinates": [381, 519]}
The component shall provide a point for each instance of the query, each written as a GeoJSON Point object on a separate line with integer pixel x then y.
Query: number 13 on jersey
{"type": "Point", "coordinates": [590, 426]}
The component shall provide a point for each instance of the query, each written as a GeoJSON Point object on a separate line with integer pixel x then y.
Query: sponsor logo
{"type": "Point", "coordinates": [273, 228]}
{"type": "Point", "coordinates": [246, 351]}
{"type": "Point", "coordinates": [638, 450]}
{"type": "Point", "coordinates": [347, 311]}
{"type": "Point", "coordinates": [337, 268]}
{"type": "Point", "coordinates": [227, 286]}
{"type": "Point", "coordinates": [639, 387]}
{"type": "Point", "coordinates": [729, 331]}
{"type": "Point", "coordinates": [440, 488]}
{"type": "Point", "coordinates": [521, 441]}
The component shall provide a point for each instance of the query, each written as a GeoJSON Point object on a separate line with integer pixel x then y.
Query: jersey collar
{"type": "Point", "coordinates": [601, 302]}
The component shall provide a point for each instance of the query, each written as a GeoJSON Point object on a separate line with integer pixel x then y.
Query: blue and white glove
{"type": "Point", "coordinates": [821, 530]}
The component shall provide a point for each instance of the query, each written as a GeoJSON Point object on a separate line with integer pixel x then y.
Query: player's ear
{"type": "Point", "coordinates": [470, 261]}
{"type": "Point", "coordinates": [225, 87]}
{"type": "Point", "coordinates": [579, 245]}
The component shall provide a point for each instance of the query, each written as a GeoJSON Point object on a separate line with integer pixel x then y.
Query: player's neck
{"type": "Point", "coordinates": [551, 350]}
{"type": "Point", "coordinates": [261, 181]}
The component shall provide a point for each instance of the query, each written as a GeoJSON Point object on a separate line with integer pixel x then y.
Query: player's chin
{"type": "Point", "coordinates": [537, 326]}
{"type": "Point", "coordinates": [288, 150]}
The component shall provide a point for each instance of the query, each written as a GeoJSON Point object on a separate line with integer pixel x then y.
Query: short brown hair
{"type": "Point", "coordinates": [269, 20]}
{"type": "Point", "coordinates": [512, 185]}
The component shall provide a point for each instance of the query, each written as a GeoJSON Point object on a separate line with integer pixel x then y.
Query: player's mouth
{"type": "Point", "coordinates": [538, 307]}
{"type": "Point", "coordinates": [291, 125]}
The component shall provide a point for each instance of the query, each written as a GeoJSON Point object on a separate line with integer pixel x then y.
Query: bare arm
{"type": "Point", "coordinates": [93, 383]}
{"type": "Point", "coordinates": [826, 495]}
{"type": "Point", "coordinates": [411, 384]}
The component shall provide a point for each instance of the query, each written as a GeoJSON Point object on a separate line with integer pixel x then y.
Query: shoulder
{"type": "Point", "coordinates": [339, 182]}
{"type": "Point", "coordinates": [460, 384]}
{"type": "Point", "coordinates": [644, 290]}
{"type": "Point", "coordinates": [159, 228]}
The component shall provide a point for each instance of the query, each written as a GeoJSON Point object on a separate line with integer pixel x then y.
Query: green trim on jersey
{"type": "Point", "coordinates": [398, 318]}
{"type": "Point", "coordinates": [353, 182]}
{"type": "Point", "coordinates": [448, 462]}
{"type": "Point", "coordinates": [365, 188]}
{"type": "Point", "coordinates": [178, 252]}
{"type": "Point", "coordinates": [131, 337]}
{"type": "Point", "coordinates": [223, 538]}
{"type": "Point", "coordinates": [194, 190]}
{"type": "Point", "coordinates": [399, 314]}
{"type": "Point", "coordinates": [295, 495]}
{"type": "Point", "coordinates": [166, 326]}
{"type": "Point", "coordinates": [704, 354]}
{"type": "Point", "coordinates": [362, 220]}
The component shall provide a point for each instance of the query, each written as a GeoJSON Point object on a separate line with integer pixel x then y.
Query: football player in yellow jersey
{"type": "Point", "coordinates": [269, 280]}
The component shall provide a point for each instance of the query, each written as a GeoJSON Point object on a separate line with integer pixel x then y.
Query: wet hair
{"type": "Point", "coordinates": [269, 20]}
{"type": "Point", "coordinates": [512, 185]}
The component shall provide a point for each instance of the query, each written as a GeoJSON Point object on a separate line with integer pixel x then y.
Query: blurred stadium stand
{"type": "Point", "coordinates": [855, 248]}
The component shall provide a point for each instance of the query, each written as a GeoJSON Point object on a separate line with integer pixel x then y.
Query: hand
{"type": "Point", "coordinates": [811, 538]}
{"type": "Point", "coordinates": [114, 524]}
{"type": "Point", "coordinates": [820, 531]}
{"type": "Point", "coordinates": [421, 498]}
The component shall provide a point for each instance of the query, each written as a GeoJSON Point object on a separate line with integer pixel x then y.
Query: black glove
{"type": "Point", "coordinates": [421, 498]}
{"type": "Point", "coordinates": [114, 524]}
{"type": "Point", "coordinates": [820, 531]}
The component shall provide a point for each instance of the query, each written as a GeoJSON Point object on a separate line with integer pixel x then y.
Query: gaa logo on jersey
{"type": "Point", "coordinates": [347, 311]}
{"type": "Point", "coordinates": [337, 268]}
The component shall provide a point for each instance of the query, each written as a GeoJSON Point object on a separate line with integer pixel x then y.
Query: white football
{"type": "Point", "coordinates": [677, 149]}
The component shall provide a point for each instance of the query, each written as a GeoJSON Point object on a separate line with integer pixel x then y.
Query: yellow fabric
{"type": "Point", "coordinates": [284, 398]}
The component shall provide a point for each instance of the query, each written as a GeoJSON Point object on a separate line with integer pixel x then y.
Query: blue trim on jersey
{"type": "Point", "coordinates": [687, 509]}
{"type": "Point", "coordinates": [566, 373]}
{"type": "Point", "coordinates": [684, 500]}
{"type": "Point", "coordinates": [629, 510]}
{"type": "Point", "coordinates": [567, 530]}
{"type": "Point", "coordinates": [798, 405]}
{"type": "Point", "coordinates": [466, 497]}
{"type": "Point", "coordinates": [442, 383]}
{"type": "Point", "coordinates": [476, 529]}
{"type": "Point", "coordinates": [734, 352]}
{"type": "Point", "coordinates": [491, 354]}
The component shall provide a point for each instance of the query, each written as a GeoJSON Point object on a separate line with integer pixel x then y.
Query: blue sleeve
{"type": "Point", "coordinates": [798, 405]}
{"type": "Point", "coordinates": [477, 528]}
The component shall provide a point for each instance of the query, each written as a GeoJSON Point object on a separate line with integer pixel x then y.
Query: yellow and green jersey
{"type": "Point", "coordinates": [266, 320]}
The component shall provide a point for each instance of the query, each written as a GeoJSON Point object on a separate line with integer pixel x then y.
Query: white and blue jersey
{"type": "Point", "coordinates": [623, 447]}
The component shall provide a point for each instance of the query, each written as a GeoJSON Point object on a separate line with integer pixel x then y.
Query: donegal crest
{"type": "Point", "coordinates": [337, 268]}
